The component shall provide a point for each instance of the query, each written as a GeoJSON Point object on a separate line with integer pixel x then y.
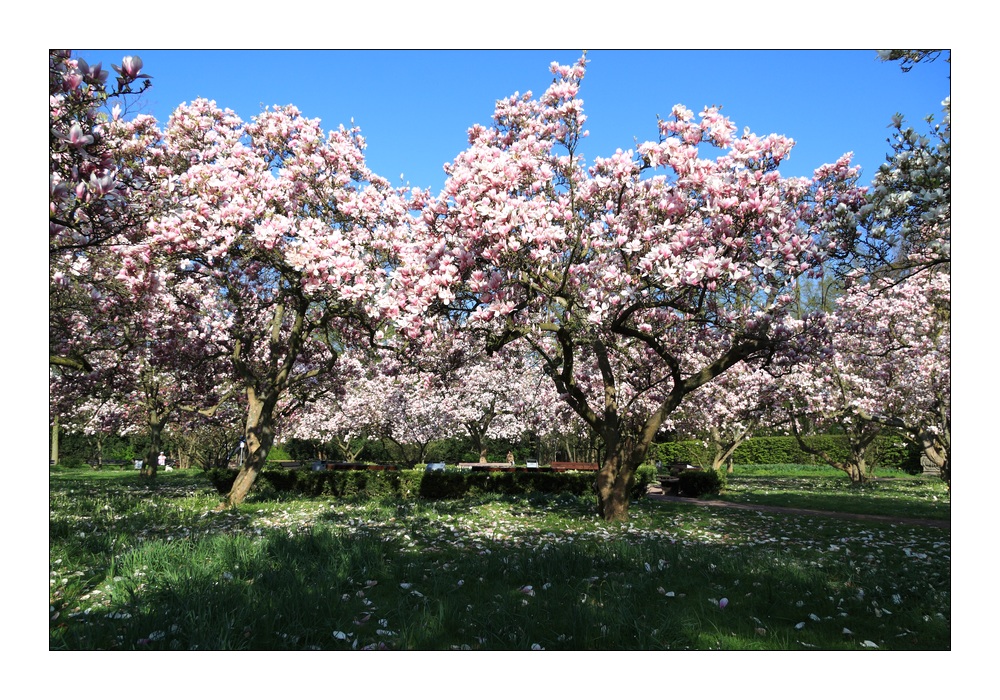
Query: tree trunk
{"type": "Point", "coordinates": [855, 471]}
{"type": "Point", "coordinates": [614, 487]}
{"type": "Point", "coordinates": [54, 454]}
{"type": "Point", "coordinates": [259, 438]}
{"type": "Point", "coordinates": [724, 450]}
{"type": "Point", "coordinates": [343, 446]}
{"type": "Point", "coordinates": [245, 479]}
{"type": "Point", "coordinates": [859, 440]}
{"type": "Point", "coordinates": [616, 477]}
{"type": "Point", "coordinates": [98, 452]}
{"type": "Point", "coordinates": [938, 453]}
{"type": "Point", "coordinates": [153, 453]}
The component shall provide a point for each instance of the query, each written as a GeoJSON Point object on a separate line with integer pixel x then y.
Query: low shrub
{"type": "Point", "coordinates": [72, 462]}
{"type": "Point", "coordinates": [695, 483]}
{"type": "Point", "coordinates": [222, 479]}
{"type": "Point", "coordinates": [644, 476]}
{"type": "Point", "coordinates": [437, 485]}
{"type": "Point", "coordinates": [454, 484]}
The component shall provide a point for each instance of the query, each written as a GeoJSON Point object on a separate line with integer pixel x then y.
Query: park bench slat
{"type": "Point", "coordinates": [574, 466]}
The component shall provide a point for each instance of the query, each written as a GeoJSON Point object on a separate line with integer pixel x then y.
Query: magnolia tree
{"type": "Point", "coordinates": [81, 407]}
{"type": "Point", "coordinates": [348, 415]}
{"type": "Point", "coordinates": [899, 337]}
{"type": "Point", "coordinates": [96, 195]}
{"type": "Point", "coordinates": [824, 396]}
{"type": "Point", "coordinates": [287, 230]}
{"type": "Point", "coordinates": [909, 342]}
{"type": "Point", "coordinates": [380, 398]}
{"type": "Point", "coordinates": [887, 366]}
{"type": "Point", "coordinates": [492, 396]}
{"type": "Point", "coordinates": [151, 341]}
{"type": "Point", "coordinates": [726, 411]}
{"type": "Point", "coordinates": [88, 187]}
{"type": "Point", "coordinates": [612, 273]}
{"type": "Point", "coordinates": [412, 399]}
{"type": "Point", "coordinates": [415, 410]}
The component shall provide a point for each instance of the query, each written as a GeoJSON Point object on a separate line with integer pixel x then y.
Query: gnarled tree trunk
{"type": "Point", "coordinates": [616, 478]}
{"type": "Point", "coordinates": [724, 449]}
{"type": "Point", "coordinates": [938, 453]}
{"type": "Point", "coordinates": [859, 438]}
{"type": "Point", "coordinates": [155, 423]}
{"type": "Point", "coordinates": [259, 436]}
{"type": "Point", "coordinates": [54, 455]}
{"type": "Point", "coordinates": [614, 487]}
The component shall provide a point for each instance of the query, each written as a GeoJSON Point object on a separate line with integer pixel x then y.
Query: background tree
{"type": "Point", "coordinates": [886, 367]}
{"type": "Point", "coordinates": [493, 396]}
{"type": "Point", "coordinates": [83, 407]}
{"type": "Point", "coordinates": [726, 412]}
{"type": "Point", "coordinates": [905, 225]}
{"type": "Point", "coordinates": [347, 416]}
{"type": "Point", "coordinates": [904, 241]}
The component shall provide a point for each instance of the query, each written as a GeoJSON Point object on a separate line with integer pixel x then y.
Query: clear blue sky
{"type": "Point", "coordinates": [414, 107]}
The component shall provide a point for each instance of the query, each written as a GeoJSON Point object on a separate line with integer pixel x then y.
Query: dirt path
{"type": "Point", "coordinates": [654, 493]}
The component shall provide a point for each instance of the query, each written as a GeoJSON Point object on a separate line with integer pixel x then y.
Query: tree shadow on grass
{"type": "Point", "coordinates": [337, 588]}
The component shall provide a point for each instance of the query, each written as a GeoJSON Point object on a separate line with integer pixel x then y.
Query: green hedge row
{"type": "Point", "coordinates": [888, 452]}
{"type": "Point", "coordinates": [415, 483]}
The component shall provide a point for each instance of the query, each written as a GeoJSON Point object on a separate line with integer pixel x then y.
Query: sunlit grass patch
{"type": "Point", "coordinates": [900, 496]}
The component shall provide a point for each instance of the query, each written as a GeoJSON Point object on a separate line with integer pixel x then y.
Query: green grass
{"type": "Point", "coordinates": [821, 488]}
{"type": "Point", "coordinates": [137, 566]}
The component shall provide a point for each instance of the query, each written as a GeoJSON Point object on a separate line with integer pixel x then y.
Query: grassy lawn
{"type": "Point", "coordinates": [155, 567]}
{"type": "Point", "coordinates": [821, 488]}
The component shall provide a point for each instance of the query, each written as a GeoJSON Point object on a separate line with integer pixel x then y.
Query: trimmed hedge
{"type": "Point", "coordinates": [888, 452]}
{"type": "Point", "coordinates": [412, 483]}
{"type": "Point", "coordinates": [457, 484]}
{"type": "Point", "coordinates": [694, 483]}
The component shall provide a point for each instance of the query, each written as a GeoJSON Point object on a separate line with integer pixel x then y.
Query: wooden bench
{"type": "Point", "coordinates": [574, 466]}
{"type": "Point", "coordinates": [286, 463]}
{"type": "Point", "coordinates": [494, 467]}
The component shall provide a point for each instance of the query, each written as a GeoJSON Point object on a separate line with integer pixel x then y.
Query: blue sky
{"type": "Point", "coordinates": [415, 107]}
